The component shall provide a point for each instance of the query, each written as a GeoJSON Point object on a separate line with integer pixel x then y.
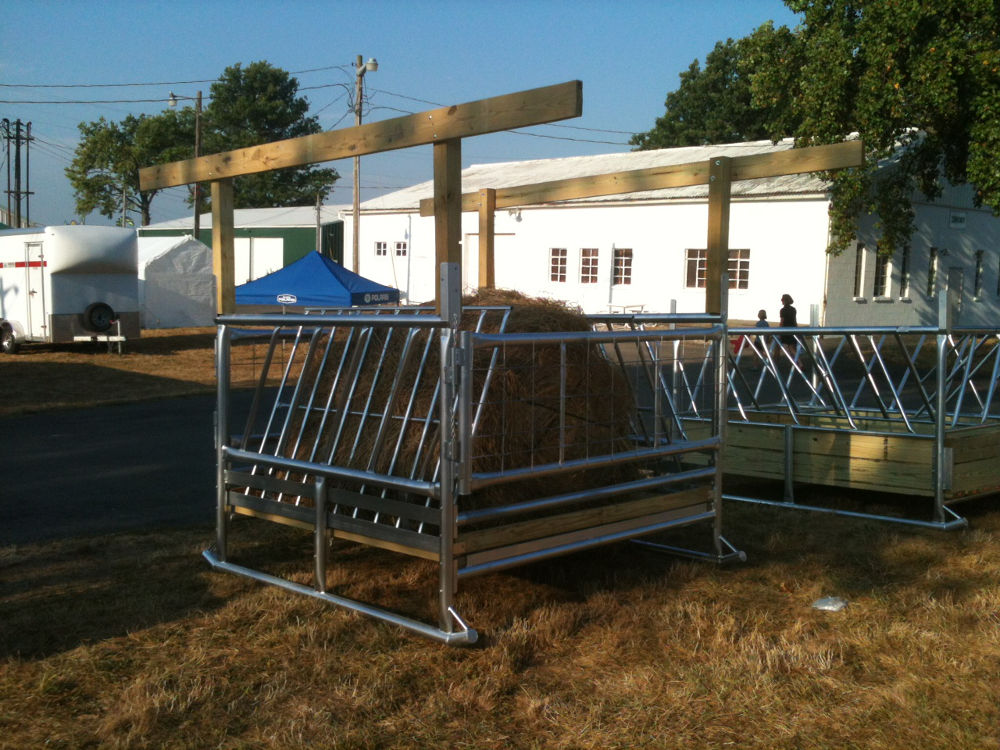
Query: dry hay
{"type": "Point", "coordinates": [519, 423]}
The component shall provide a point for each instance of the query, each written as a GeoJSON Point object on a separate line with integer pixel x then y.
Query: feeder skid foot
{"type": "Point", "coordinates": [464, 636]}
{"type": "Point", "coordinates": [726, 553]}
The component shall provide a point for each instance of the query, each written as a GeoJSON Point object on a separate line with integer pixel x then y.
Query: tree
{"type": "Point", "coordinates": [715, 104]}
{"type": "Point", "coordinates": [104, 172]}
{"type": "Point", "coordinates": [918, 80]}
{"type": "Point", "coordinates": [260, 104]}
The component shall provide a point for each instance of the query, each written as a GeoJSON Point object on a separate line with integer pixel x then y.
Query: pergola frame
{"type": "Point", "coordinates": [718, 173]}
{"type": "Point", "coordinates": [444, 128]}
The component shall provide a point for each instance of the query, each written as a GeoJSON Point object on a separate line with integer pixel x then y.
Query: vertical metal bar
{"type": "Point", "coordinates": [321, 541]}
{"type": "Point", "coordinates": [447, 576]}
{"type": "Point", "coordinates": [658, 393]}
{"type": "Point", "coordinates": [562, 401]}
{"type": "Point", "coordinates": [789, 434]}
{"type": "Point", "coordinates": [720, 417]}
{"type": "Point", "coordinates": [939, 406]}
{"type": "Point", "coordinates": [222, 370]}
{"type": "Point", "coordinates": [465, 411]}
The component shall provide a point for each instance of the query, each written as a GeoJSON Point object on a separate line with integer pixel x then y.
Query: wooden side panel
{"type": "Point", "coordinates": [896, 463]}
{"type": "Point", "coordinates": [512, 533]}
{"type": "Point", "coordinates": [976, 459]}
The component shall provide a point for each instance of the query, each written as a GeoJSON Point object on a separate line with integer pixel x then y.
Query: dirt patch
{"type": "Point", "coordinates": [160, 364]}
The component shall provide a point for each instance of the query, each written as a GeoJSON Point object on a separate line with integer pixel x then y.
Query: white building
{"type": "Point", "coordinates": [643, 250]}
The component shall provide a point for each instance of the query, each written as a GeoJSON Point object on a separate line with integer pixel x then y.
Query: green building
{"type": "Point", "coordinates": [267, 239]}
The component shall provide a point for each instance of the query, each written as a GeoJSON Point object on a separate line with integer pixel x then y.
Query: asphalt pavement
{"type": "Point", "coordinates": [107, 469]}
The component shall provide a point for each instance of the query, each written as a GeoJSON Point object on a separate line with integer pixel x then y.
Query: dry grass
{"type": "Point", "coordinates": [132, 641]}
{"type": "Point", "coordinates": [160, 364]}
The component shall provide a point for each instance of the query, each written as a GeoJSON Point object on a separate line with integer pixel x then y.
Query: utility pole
{"type": "Point", "coordinates": [359, 73]}
{"type": "Point", "coordinates": [6, 137]}
{"type": "Point", "coordinates": [197, 153]}
{"type": "Point", "coordinates": [21, 219]}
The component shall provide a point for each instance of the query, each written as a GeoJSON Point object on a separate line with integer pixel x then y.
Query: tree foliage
{"type": "Point", "coordinates": [260, 104]}
{"type": "Point", "coordinates": [918, 80]}
{"type": "Point", "coordinates": [104, 172]}
{"type": "Point", "coordinates": [715, 104]}
{"type": "Point", "coordinates": [249, 106]}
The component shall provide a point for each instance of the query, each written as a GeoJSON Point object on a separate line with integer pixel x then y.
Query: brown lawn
{"type": "Point", "coordinates": [131, 641]}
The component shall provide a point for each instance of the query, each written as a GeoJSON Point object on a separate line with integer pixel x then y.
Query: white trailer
{"type": "Point", "coordinates": [61, 284]}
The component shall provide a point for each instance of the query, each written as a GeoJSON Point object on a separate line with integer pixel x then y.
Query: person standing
{"type": "Point", "coordinates": [787, 317]}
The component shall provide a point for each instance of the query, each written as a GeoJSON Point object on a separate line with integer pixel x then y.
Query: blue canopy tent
{"type": "Point", "coordinates": [314, 281]}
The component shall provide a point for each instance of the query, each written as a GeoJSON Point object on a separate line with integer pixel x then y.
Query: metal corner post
{"type": "Point", "coordinates": [222, 431]}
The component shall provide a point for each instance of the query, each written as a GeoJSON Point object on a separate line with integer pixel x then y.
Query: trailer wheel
{"type": "Point", "coordinates": [98, 317]}
{"type": "Point", "coordinates": [8, 342]}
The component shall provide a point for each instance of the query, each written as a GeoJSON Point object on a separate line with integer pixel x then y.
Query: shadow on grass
{"type": "Point", "coordinates": [60, 595]}
{"type": "Point", "coordinates": [33, 386]}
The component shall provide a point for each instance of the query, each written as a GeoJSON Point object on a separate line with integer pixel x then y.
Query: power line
{"type": "Point", "coordinates": [149, 83]}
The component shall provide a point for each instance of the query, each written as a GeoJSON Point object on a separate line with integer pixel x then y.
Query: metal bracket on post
{"type": "Point", "coordinates": [451, 293]}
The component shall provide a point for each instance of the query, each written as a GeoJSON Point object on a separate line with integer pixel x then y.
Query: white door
{"type": "Point", "coordinates": [257, 256]}
{"type": "Point", "coordinates": [34, 270]}
{"type": "Point", "coordinates": [470, 264]}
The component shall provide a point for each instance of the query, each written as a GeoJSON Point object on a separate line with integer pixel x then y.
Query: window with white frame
{"type": "Point", "coordinates": [932, 268]}
{"type": "Point", "coordinates": [381, 248]}
{"type": "Point", "coordinates": [737, 266]}
{"type": "Point", "coordinates": [978, 288]}
{"type": "Point", "coordinates": [557, 264]}
{"type": "Point", "coordinates": [401, 247]}
{"type": "Point", "coordinates": [904, 272]}
{"type": "Point", "coordinates": [859, 269]}
{"type": "Point", "coordinates": [880, 287]}
{"type": "Point", "coordinates": [588, 265]}
{"type": "Point", "coordinates": [623, 266]}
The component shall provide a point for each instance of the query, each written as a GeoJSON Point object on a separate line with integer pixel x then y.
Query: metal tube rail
{"type": "Point", "coordinates": [414, 486]}
{"type": "Point", "coordinates": [563, 549]}
{"type": "Point", "coordinates": [488, 479]}
{"type": "Point", "coordinates": [320, 321]}
{"type": "Point", "coordinates": [548, 503]}
{"type": "Point", "coordinates": [463, 637]}
{"type": "Point", "coordinates": [484, 340]}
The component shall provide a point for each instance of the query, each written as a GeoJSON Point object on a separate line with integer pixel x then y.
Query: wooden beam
{"type": "Point", "coordinates": [223, 262]}
{"type": "Point", "coordinates": [487, 241]}
{"type": "Point", "coordinates": [754, 166]}
{"type": "Point", "coordinates": [447, 216]}
{"type": "Point", "coordinates": [719, 189]}
{"type": "Point", "coordinates": [799, 161]}
{"type": "Point", "coordinates": [522, 109]}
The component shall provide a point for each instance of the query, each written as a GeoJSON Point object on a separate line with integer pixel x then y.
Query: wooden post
{"type": "Point", "coordinates": [447, 205]}
{"type": "Point", "coordinates": [223, 263]}
{"type": "Point", "coordinates": [487, 240]}
{"type": "Point", "coordinates": [719, 189]}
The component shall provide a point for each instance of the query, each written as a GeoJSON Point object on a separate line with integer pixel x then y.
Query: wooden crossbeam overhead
{"type": "Point", "coordinates": [754, 166]}
{"type": "Point", "coordinates": [718, 173]}
{"type": "Point", "coordinates": [532, 107]}
{"type": "Point", "coordinates": [444, 127]}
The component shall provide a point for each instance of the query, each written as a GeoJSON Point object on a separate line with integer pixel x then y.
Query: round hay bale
{"type": "Point", "coordinates": [530, 415]}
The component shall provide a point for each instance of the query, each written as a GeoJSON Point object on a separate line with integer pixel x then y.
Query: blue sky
{"type": "Point", "coordinates": [430, 53]}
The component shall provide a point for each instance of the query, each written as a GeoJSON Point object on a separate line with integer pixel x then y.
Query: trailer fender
{"type": "Point", "coordinates": [98, 317]}
{"type": "Point", "coordinates": [10, 337]}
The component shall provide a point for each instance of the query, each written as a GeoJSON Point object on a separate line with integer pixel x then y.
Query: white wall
{"type": "Point", "coordinates": [953, 226]}
{"type": "Point", "coordinates": [786, 240]}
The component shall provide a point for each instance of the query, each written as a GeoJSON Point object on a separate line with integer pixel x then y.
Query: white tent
{"type": "Point", "coordinates": [176, 283]}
